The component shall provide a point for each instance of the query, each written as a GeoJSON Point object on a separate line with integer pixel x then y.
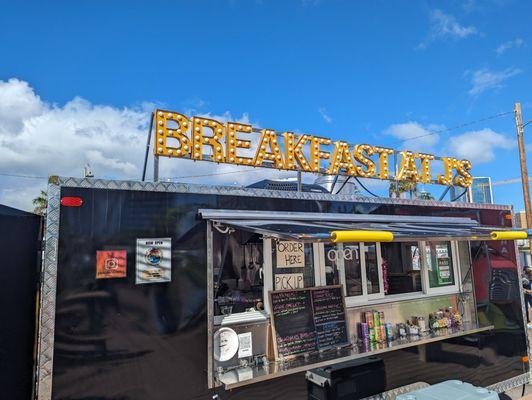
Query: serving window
{"type": "Point", "coordinates": [237, 272]}
{"type": "Point", "coordinates": [250, 259]}
{"type": "Point", "coordinates": [248, 266]}
{"type": "Point", "coordinates": [402, 262]}
{"type": "Point", "coordinates": [367, 272]}
{"type": "Point", "coordinates": [370, 272]}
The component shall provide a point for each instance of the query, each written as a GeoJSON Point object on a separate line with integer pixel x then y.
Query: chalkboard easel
{"type": "Point", "coordinates": [307, 320]}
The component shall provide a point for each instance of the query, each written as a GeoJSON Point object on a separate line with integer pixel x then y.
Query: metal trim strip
{"type": "Point", "coordinates": [48, 286]}
{"type": "Point", "coordinates": [253, 192]}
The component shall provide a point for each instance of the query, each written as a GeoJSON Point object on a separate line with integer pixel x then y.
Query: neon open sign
{"type": "Point", "coordinates": [202, 138]}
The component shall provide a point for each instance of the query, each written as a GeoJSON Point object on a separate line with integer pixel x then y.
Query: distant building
{"type": "Point", "coordinates": [480, 191]}
{"type": "Point", "coordinates": [520, 220]}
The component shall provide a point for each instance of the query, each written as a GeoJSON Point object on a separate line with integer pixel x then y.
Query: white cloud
{"type": "Point", "coordinates": [484, 79]}
{"type": "Point", "coordinates": [503, 47]}
{"type": "Point", "coordinates": [445, 26]}
{"type": "Point", "coordinates": [18, 102]}
{"type": "Point", "coordinates": [324, 115]}
{"type": "Point", "coordinates": [38, 138]}
{"type": "Point", "coordinates": [414, 136]}
{"type": "Point", "coordinates": [479, 146]}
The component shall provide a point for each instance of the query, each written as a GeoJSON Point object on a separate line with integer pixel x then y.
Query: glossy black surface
{"type": "Point", "coordinates": [19, 235]}
{"type": "Point", "coordinates": [121, 341]}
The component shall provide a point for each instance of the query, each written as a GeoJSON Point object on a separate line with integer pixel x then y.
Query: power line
{"type": "Point", "coordinates": [460, 196]}
{"type": "Point", "coordinates": [345, 183]}
{"type": "Point", "coordinates": [365, 188]}
{"type": "Point", "coordinates": [435, 132]}
{"type": "Point", "coordinates": [23, 176]}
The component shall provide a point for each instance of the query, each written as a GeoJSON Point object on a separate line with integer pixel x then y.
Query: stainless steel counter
{"type": "Point", "coordinates": [248, 375]}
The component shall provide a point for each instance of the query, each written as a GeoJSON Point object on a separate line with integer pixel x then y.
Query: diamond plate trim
{"type": "Point", "coordinates": [45, 353]}
{"type": "Point", "coordinates": [253, 192]}
{"type": "Point", "coordinates": [503, 386]}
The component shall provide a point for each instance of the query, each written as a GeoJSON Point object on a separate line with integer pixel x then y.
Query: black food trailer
{"type": "Point", "coordinates": [158, 290]}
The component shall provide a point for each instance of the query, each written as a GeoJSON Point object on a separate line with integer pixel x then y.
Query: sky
{"type": "Point", "coordinates": [78, 81]}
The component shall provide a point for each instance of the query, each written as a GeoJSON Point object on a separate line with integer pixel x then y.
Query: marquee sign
{"type": "Point", "coordinates": [202, 138]}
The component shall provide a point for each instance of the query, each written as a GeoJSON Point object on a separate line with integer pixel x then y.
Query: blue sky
{"type": "Point", "coordinates": [375, 72]}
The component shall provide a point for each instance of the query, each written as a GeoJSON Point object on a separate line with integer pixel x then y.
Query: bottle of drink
{"type": "Point", "coordinates": [431, 321]}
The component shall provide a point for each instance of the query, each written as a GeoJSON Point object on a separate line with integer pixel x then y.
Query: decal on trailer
{"type": "Point", "coordinates": [154, 260]}
{"type": "Point", "coordinates": [111, 264]}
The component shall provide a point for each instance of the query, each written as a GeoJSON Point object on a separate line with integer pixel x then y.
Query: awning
{"type": "Point", "coordinates": [317, 227]}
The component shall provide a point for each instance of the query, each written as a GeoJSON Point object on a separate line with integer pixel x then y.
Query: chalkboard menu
{"type": "Point", "coordinates": [306, 320]}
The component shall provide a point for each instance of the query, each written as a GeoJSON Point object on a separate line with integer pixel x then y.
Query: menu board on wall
{"type": "Point", "coordinates": [329, 316]}
{"type": "Point", "coordinates": [306, 320]}
{"type": "Point", "coordinates": [293, 322]}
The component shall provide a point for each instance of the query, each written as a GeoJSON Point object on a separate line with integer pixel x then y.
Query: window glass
{"type": "Point", "coordinates": [293, 265]}
{"type": "Point", "coordinates": [332, 271]}
{"type": "Point", "coordinates": [344, 259]}
{"type": "Point", "coordinates": [401, 267]}
{"type": "Point", "coordinates": [439, 264]}
{"type": "Point", "coordinates": [353, 275]}
{"type": "Point", "coordinates": [237, 272]}
{"type": "Point", "coordinates": [372, 268]}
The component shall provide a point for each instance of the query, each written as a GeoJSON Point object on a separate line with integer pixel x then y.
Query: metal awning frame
{"type": "Point", "coordinates": [217, 214]}
{"type": "Point", "coordinates": [405, 228]}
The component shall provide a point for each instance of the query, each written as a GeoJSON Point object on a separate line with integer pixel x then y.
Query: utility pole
{"type": "Point", "coordinates": [524, 170]}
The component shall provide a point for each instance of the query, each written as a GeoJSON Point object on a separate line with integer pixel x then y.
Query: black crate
{"type": "Point", "coordinates": [351, 380]}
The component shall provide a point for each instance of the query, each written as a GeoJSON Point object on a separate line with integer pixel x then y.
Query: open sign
{"type": "Point", "coordinates": [347, 253]}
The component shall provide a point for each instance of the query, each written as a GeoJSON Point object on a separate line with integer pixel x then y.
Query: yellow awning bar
{"type": "Point", "coordinates": [361, 236]}
{"type": "Point", "coordinates": [508, 235]}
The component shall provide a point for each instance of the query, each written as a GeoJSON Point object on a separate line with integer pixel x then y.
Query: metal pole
{"type": "Point", "coordinates": [147, 149]}
{"type": "Point", "coordinates": [156, 168]}
{"type": "Point", "coordinates": [524, 169]}
{"type": "Point", "coordinates": [396, 169]}
{"type": "Point", "coordinates": [299, 185]}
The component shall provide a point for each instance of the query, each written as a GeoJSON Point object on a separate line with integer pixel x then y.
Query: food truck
{"type": "Point", "coordinates": [164, 290]}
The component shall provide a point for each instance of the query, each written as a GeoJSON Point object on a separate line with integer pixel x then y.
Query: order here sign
{"type": "Point", "coordinates": [202, 138]}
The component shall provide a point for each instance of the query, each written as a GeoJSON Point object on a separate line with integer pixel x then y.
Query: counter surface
{"type": "Point", "coordinates": [242, 376]}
